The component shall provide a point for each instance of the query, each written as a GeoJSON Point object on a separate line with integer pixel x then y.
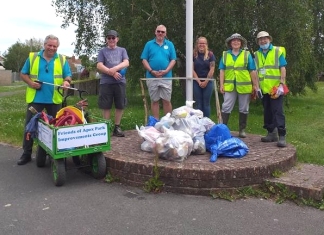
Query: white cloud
{"type": "Point", "coordinates": [23, 20]}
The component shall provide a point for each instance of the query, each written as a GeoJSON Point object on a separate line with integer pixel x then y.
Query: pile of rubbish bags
{"type": "Point", "coordinates": [184, 132]}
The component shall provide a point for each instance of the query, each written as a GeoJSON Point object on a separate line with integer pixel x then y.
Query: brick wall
{"type": "Point", "coordinates": [5, 77]}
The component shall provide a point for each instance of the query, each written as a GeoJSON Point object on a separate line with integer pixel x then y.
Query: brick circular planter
{"type": "Point", "coordinates": [197, 175]}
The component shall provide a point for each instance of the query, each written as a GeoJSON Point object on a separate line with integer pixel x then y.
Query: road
{"type": "Point", "coordinates": [31, 204]}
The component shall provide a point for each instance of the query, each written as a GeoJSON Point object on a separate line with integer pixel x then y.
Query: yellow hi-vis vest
{"type": "Point", "coordinates": [236, 72]}
{"type": "Point", "coordinates": [34, 59]}
{"type": "Point", "coordinates": [270, 64]}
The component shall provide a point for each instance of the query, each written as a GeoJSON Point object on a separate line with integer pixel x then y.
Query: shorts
{"type": "Point", "coordinates": [159, 89]}
{"type": "Point", "coordinates": [112, 93]}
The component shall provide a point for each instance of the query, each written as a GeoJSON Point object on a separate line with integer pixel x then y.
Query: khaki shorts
{"type": "Point", "coordinates": [159, 89]}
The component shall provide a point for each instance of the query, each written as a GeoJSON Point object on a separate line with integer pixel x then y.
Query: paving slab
{"type": "Point", "coordinates": [306, 180]}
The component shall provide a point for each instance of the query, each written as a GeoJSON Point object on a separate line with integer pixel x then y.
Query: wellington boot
{"type": "Point", "coordinates": [242, 124]}
{"type": "Point", "coordinates": [282, 141]}
{"type": "Point", "coordinates": [242, 133]}
{"type": "Point", "coordinates": [271, 136]}
{"type": "Point", "coordinates": [225, 117]}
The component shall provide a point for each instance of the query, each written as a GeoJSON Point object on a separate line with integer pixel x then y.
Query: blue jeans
{"type": "Point", "coordinates": [202, 97]}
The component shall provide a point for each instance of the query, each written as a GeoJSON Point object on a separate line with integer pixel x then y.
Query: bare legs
{"type": "Point", "coordinates": [118, 115]}
{"type": "Point", "coordinates": [167, 108]}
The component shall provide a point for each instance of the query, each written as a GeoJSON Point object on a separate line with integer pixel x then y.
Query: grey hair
{"type": "Point", "coordinates": [51, 37]}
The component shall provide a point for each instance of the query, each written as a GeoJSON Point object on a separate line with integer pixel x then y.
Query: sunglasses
{"type": "Point", "coordinates": [111, 38]}
{"type": "Point", "coordinates": [46, 68]}
{"type": "Point", "coordinates": [159, 31]}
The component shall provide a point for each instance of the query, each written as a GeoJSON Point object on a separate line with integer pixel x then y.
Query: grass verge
{"type": "Point", "coordinates": [304, 118]}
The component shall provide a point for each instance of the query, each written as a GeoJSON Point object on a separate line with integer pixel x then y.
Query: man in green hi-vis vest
{"type": "Point", "coordinates": [271, 67]}
{"type": "Point", "coordinates": [45, 66]}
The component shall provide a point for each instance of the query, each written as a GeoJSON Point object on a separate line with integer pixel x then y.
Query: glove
{"type": "Point", "coordinates": [259, 93]}
{"type": "Point", "coordinates": [280, 91]}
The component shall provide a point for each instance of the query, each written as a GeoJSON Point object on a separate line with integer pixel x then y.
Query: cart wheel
{"type": "Point", "coordinates": [98, 165]}
{"type": "Point", "coordinates": [58, 171]}
{"type": "Point", "coordinates": [40, 157]}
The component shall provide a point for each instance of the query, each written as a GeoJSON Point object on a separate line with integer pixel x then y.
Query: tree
{"type": "Point", "coordinates": [35, 44]}
{"type": "Point", "coordinates": [89, 64]}
{"type": "Point", "coordinates": [291, 23]}
{"type": "Point", "coordinates": [318, 18]}
{"type": "Point", "coordinates": [16, 56]}
{"type": "Point", "coordinates": [18, 53]}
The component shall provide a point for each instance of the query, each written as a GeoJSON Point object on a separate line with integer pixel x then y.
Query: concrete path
{"type": "Point", "coordinates": [31, 205]}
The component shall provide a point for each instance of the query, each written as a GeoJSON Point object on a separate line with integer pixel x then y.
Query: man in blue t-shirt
{"type": "Point", "coordinates": [158, 58]}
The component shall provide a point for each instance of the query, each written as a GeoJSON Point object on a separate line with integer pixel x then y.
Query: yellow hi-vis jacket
{"type": "Point", "coordinates": [34, 59]}
{"type": "Point", "coordinates": [270, 67]}
{"type": "Point", "coordinates": [236, 72]}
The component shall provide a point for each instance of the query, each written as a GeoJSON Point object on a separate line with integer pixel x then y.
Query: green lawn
{"type": "Point", "coordinates": [304, 118]}
{"type": "Point", "coordinates": [17, 86]}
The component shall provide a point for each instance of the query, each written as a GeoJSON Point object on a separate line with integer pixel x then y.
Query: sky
{"type": "Point", "coordinates": [22, 20]}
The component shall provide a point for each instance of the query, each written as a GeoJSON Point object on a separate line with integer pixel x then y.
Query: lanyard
{"type": "Point", "coordinates": [264, 57]}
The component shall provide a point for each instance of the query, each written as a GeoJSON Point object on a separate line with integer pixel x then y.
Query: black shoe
{"type": "Point", "coordinates": [24, 159]}
{"type": "Point", "coordinates": [118, 132]}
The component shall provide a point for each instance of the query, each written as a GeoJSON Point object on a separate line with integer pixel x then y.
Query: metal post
{"type": "Point", "coordinates": [189, 50]}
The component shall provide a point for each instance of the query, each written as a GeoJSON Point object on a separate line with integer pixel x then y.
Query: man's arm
{"type": "Point", "coordinates": [103, 69]}
{"type": "Point", "coordinates": [67, 75]}
{"type": "Point", "coordinates": [147, 65]}
{"type": "Point", "coordinates": [29, 82]}
{"type": "Point", "coordinates": [283, 75]}
{"type": "Point", "coordinates": [123, 64]}
{"type": "Point", "coordinates": [255, 79]}
{"type": "Point", "coordinates": [120, 66]}
{"type": "Point", "coordinates": [221, 80]}
{"type": "Point", "coordinates": [24, 75]}
{"type": "Point", "coordinates": [170, 66]}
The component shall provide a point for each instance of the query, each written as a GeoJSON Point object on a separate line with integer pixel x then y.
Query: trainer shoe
{"type": "Point", "coordinates": [118, 132]}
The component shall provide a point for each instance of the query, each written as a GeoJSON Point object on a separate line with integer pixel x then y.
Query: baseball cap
{"type": "Point", "coordinates": [112, 33]}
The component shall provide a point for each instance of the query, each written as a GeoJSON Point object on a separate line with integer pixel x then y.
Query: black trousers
{"type": "Point", "coordinates": [51, 109]}
{"type": "Point", "coordinates": [273, 114]}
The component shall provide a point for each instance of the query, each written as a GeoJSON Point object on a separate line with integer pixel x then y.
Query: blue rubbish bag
{"type": "Point", "coordinates": [217, 134]}
{"type": "Point", "coordinates": [232, 147]}
{"type": "Point", "coordinates": [151, 121]}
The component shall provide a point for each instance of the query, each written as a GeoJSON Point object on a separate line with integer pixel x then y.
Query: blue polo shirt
{"type": "Point", "coordinates": [45, 74]}
{"type": "Point", "coordinates": [158, 56]}
{"type": "Point", "coordinates": [282, 60]}
{"type": "Point", "coordinates": [250, 64]}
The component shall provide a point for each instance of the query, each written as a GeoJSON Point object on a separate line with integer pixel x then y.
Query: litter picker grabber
{"type": "Point", "coordinates": [61, 92]}
{"type": "Point", "coordinates": [59, 86]}
{"type": "Point", "coordinates": [218, 110]}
